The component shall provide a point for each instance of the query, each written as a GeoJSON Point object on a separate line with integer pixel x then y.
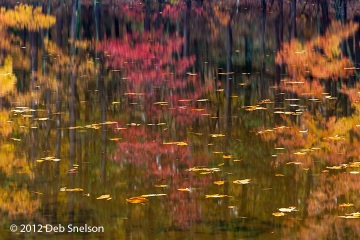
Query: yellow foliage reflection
{"type": "Point", "coordinates": [17, 202]}
{"type": "Point", "coordinates": [25, 16]}
{"type": "Point", "coordinates": [7, 78]}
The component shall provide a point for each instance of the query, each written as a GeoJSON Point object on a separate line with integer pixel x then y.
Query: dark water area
{"type": "Point", "coordinates": [181, 120]}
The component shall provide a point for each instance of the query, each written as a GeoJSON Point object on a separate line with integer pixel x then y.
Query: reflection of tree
{"type": "Point", "coordinates": [317, 59]}
{"type": "Point", "coordinates": [7, 78]}
{"type": "Point", "coordinates": [25, 16]}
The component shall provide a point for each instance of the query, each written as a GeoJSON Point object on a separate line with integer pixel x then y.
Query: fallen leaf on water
{"type": "Point", "coordinates": [295, 163]}
{"type": "Point", "coordinates": [351, 215]}
{"type": "Point", "coordinates": [335, 167]}
{"type": "Point", "coordinates": [65, 189]}
{"type": "Point", "coordinates": [72, 171]}
{"type": "Point", "coordinates": [215, 196]}
{"type": "Point", "coordinates": [289, 209]}
{"type": "Point", "coordinates": [244, 181]}
{"type": "Point", "coordinates": [107, 196]}
{"type": "Point", "coordinates": [217, 135]}
{"type": "Point", "coordinates": [227, 156]}
{"type": "Point", "coordinates": [154, 195]}
{"type": "Point", "coordinates": [161, 186]}
{"type": "Point", "coordinates": [203, 169]}
{"type": "Point", "coordinates": [346, 205]}
{"type": "Point", "coordinates": [221, 164]}
{"type": "Point", "coordinates": [278, 214]}
{"type": "Point", "coordinates": [218, 152]}
{"type": "Point", "coordinates": [184, 189]}
{"type": "Point", "coordinates": [115, 139]}
{"type": "Point", "coordinates": [219, 182]}
{"type": "Point", "coordinates": [181, 144]}
{"type": "Point", "coordinates": [137, 200]}
{"type": "Point", "coordinates": [279, 175]}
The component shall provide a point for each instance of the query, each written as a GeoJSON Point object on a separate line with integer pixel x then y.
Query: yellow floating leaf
{"type": "Point", "coordinates": [137, 200]}
{"type": "Point", "coordinates": [221, 164]}
{"type": "Point", "coordinates": [42, 119]}
{"type": "Point", "coordinates": [154, 195]}
{"type": "Point", "coordinates": [106, 196]}
{"type": "Point", "coordinates": [215, 196]}
{"type": "Point", "coordinates": [346, 205]}
{"type": "Point", "coordinates": [219, 182]}
{"type": "Point", "coordinates": [184, 189]}
{"type": "Point", "coordinates": [115, 139]}
{"type": "Point", "coordinates": [227, 156]}
{"type": "Point", "coordinates": [161, 186]}
{"type": "Point", "coordinates": [278, 214]}
{"type": "Point", "coordinates": [65, 189]}
{"type": "Point", "coordinates": [244, 181]}
{"type": "Point", "coordinates": [237, 160]}
{"type": "Point", "coordinates": [289, 209]}
{"type": "Point", "coordinates": [39, 160]}
{"type": "Point", "coordinates": [217, 135]}
{"type": "Point", "coordinates": [279, 175]}
{"type": "Point", "coordinates": [295, 163]}
{"type": "Point", "coordinates": [354, 172]}
{"type": "Point", "coordinates": [181, 144]}
{"type": "Point", "coordinates": [335, 167]}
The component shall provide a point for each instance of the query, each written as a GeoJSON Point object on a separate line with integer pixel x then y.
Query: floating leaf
{"type": "Point", "coordinates": [289, 209]}
{"type": "Point", "coordinates": [137, 200]}
{"type": "Point", "coordinates": [346, 205]}
{"type": "Point", "coordinates": [217, 135]}
{"type": "Point", "coordinates": [65, 189]}
{"type": "Point", "coordinates": [107, 196]}
{"type": "Point", "coordinates": [115, 139]}
{"type": "Point", "coordinates": [215, 196]}
{"type": "Point", "coordinates": [154, 195]}
{"type": "Point", "coordinates": [335, 167]}
{"type": "Point", "coordinates": [184, 189]}
{"type": "Point", "coordinates": [244, 181]}
{"type": "Point", "coordinates": [181, 144]}
{"type": "Point", "coordinates": [219, 182]}
{"type": "Point", "coordinates": [278, 214]}
{"type": "Point", "coordinates": [161, 186]}
{"type": "Point", "coordinates": [351, 215]}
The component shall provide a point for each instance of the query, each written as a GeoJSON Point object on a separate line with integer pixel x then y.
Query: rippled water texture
{"type": "Point", "coordinates": [181, 120]}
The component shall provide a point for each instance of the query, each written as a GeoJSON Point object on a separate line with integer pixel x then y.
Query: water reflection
{"type": "Point", "coordinates": [220, 118]}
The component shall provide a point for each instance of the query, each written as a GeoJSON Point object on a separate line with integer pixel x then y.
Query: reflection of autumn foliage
{"type": "Point", "coordinates": [333, 141]}
{"type": "Point", "coordinates": [146, 56]}
{"type": "Point", "coordinates": [144, 147]}
{"type": "Point", "coordinates": [324, 208]}
{"type": "Point", "coordinates": [24, 16]}
{"type": "Point", "coordinates": [11, 163]}
{"type": "Point", "coordinates": [5, 127]}
{"type": "Point", "coordinates": [320, 59]}
{"type": "Point", "coordinates": [17, 202]}
{"type": "Point", "coordinates": [7, 78]}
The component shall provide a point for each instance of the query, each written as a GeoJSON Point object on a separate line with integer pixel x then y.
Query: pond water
{"type": "Point", "coordinates": [174, 121]}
